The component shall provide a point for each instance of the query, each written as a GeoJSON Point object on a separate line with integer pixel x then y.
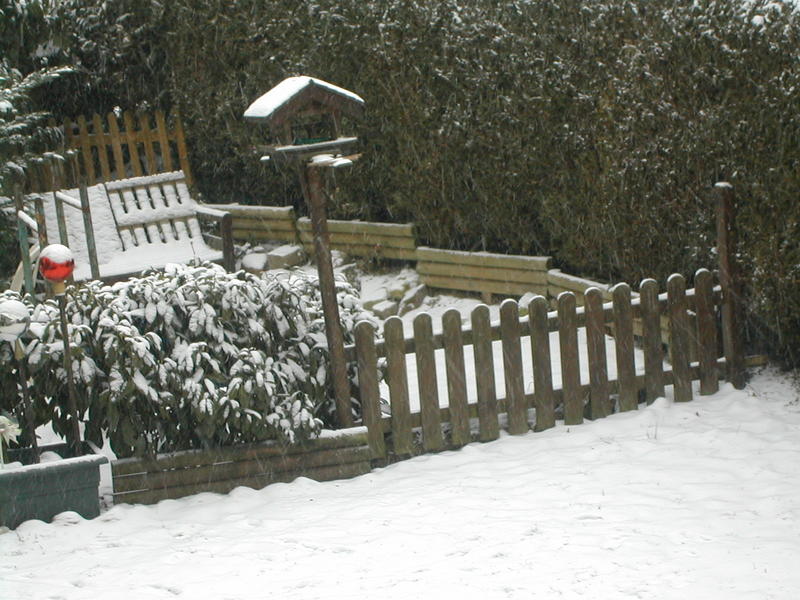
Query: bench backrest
{"type": "Point", "coordinates": [153, 209]}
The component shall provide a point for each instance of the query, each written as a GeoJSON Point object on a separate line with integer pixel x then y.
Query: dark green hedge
{"type": "Point", "coordinates": [592, 132]}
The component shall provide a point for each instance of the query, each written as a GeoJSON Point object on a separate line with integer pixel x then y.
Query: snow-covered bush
{"type": "Point", "coordinates": [188, 357]}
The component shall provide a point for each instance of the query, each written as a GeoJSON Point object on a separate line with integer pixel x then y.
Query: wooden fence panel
{"type": "Point", "coordinates": [516, 405]}
{"type": "Point", "coordinates": [706, 331]}
{"type": "Point", "coordinates": [570, 360]}
{"type": "Point", "coordinates": [368, 387]}
{"type": "Point", "coordinates": [600, 403]}
{"type": "Point", "coordinates": [679, 338]}
{"type": "Point", "coordinates": [397, 378]}
{"type": "Point", "coordinates": [432, 440]}
{"type": "Point", "coordinates": [456, 377]}
{"type": "Point", "coordinates": [623, 342]}
{"type": "Point", "coordinates": [651, 343]}
{"type": "Point", "coordinates": [484, 373]}
{"type": "Point", "coordinates": [544, 398]}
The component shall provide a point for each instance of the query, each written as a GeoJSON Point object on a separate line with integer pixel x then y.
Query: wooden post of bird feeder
{"type": "Point", "coordinates": [305, 115]}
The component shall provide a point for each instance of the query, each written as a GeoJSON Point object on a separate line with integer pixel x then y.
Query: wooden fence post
{"type": "Point", "coordinates": [368, 387]}
{"type": "Point", "coordinates": [623, 344]}
{"type": "Point", "coordinates": [731, 285]}
{"type": "Point", "coordinates": [397, 378]}
{"type": "Point", "coordinates": [542, 368]}
{"type": "Point", "coordinates": [679, 337]}
{"type": "Point", "coordinates": [484, 373]}
{"type": "Point", "coordinates": [599, 397]}
{"type": "Point", "coordinates": [706, 331]}
{"type": "Point", "coordinates": [22, 238]}
{"type": "Point", "coordinates": [516, 406]}
{"type": "Point", "coordinates": [651, 332]}
{"type": "Point", "coordinates": [432, 440]}
{"type": "Point", "coordinates": [570, 361]}
{"type": "Point", "coordinates": [456, 377]}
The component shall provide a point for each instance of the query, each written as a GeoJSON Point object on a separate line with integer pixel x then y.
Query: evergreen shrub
{"type": "Point", "coordinates": [191, 357]}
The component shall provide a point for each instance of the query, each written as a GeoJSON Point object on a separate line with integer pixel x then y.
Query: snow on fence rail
{"type": "Point", "coordinates": [413, 432]}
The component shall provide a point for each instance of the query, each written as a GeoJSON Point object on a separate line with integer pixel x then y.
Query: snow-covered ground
{"type": "Point", "coordinates": [697, 500]}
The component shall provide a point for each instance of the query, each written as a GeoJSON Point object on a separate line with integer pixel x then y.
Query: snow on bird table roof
{"type": "Point", "coordinates": [266, 106]}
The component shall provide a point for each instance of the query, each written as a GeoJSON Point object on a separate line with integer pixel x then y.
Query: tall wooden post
{"type": "Point", "coordinates": [311, 180]}
{"type": "Point", "coordinates": [730, 282]}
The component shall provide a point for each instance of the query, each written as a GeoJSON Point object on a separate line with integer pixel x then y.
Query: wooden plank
{"type": "Point", "coordinates": [481, 285]}
{"type": "Point", "coordinates": [542, 368]}
{"type": "Point", "coordinates": [133, 145]}
{"type": "Point", "coordinates": [679, 337]}
{"type": "Point", "coordinates": [116, 146]}
{"type": "Point", "coordinates": [260, 234]}
{"type": "Point", "coordinates": [102, 148]}
{"type": "Point", "coordinates": [397, 378]}
{"type": "Point", "coordinates": [483, 259]}
{"type": "Point", "coordinates": [183, 154]}
{"type": "Point", "coordinates": [706, 332]}
{"type": "Point", "coordinates": [203, 473]}
{"type": "Point", "coordinates": [570, 361]}
{"type": "Point", "coordinates": [369, 393]}
{"type": "Point", "coordinates": [484, 373]}
{"type": "Point", "coordinates": [86, 148]}
{"type": "Point", "coordinates": [357, 436]}
{"type": "Point", "coordinates": [148, 141]}
{"type": "Point", "coordinates": [432, 440]}
{"type": "Point", "coordinates": [600, 401]}
{"type": "Point", "coordinates": [512, 368]}
{"type": "Point", "coordinates": [562, 282]}
{"type": "Point", "coordinates": [263, 225]}
{"type": "Point", "coordinates": [257, 212]}
{"type": "Point", "coordinates": [527, 276]}
{"type": "Point", "coordinates": [163, 140]}
{"type": "Point", "coordinates": [365, 239]}
{"type": "Point", "coordinates": [623, 343]}
{"type": "Point", "coordinates": [729, 280]}
{"type": "Point", "coordinates": [651, 340]}
{"type": "Point", "coordinates": [456, 378]}
{"type": "Point", "coordinates": [326, 473]}
{"type": "Point", "coordinates": [403, 230]}
{"type": "Point", "coordinates": [370, 251]}
{"type": "Point", "coordinates": [41, 226]}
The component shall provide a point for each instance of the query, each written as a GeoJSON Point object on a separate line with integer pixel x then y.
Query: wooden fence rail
{"type": "Point", "coordinates": [589, 390]}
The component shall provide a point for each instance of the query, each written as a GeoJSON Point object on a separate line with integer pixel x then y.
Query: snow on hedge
{"type": "Point", "coordinates": [189, 357]}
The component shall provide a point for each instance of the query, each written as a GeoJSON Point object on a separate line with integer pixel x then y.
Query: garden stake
{"type": "Point", "coordinates": [56, 264]}
{"type": "Point", "coordinates": [27, 409]}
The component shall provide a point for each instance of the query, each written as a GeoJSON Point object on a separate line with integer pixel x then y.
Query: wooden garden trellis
{"type": "Point", "coordinates": [116, 147]}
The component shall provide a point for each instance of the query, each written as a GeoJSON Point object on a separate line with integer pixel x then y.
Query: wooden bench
{"type": "Point", "coordinates": [127, 226]}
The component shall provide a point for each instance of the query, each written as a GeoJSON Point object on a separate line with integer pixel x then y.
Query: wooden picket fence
{"type": "Point", "coordinates": [434, 428]}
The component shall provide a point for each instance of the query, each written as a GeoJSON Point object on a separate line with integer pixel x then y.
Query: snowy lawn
{"type": "Point", "coordinates": [697, 500]}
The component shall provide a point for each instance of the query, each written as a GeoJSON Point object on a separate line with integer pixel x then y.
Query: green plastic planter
{"type": "Point", "coordinates": [42, 491]}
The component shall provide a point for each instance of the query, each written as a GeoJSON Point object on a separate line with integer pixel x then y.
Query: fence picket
{"type": "Point", "coordinates": [456, 377]}
{"type": "Point", "coordinates": [623, 342]}
{"type": "Point", "coordinates": [542, 369]}
{"type": "Point", "coordinates": [432, 440]}
{"type": "Point", "coordinates": [148, 140]}
{"type": "Point", "coordinates": [484, 373]}
{"type": "Point", "coordinates": [651, 343]}
{"type": "Point", "coordinates": [397, 378]}
{"type": "Point", "coordinates": [512, 368]}
{"type": "Point", "coordinates": [679, 338]}
{"type": "Point", "coordinates": [163, 140]}
{"type": "Point", "coordinates": [599, 397]}
{"type": "Point", "coordinates": [102, 146]}
{"type": "Point", "coordinates": [116, 146]}
{"type": "Point", "coordinates": [133, 145]}
{"type": "Point", "coordinates": [570, 361]}
{"type": "Point", "coordinates": [88, 160]}
{"type": "Point", "coordinates": [706, 331]}
{"type": "Point", "coordinates": [368, 387]}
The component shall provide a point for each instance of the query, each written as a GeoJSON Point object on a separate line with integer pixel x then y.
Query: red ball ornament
{"type": "Point", "coordinates": [56, 263]}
